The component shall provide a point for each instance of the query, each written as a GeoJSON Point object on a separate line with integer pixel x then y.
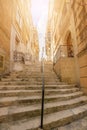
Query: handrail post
{"type": "Point", "coordinates": [42, 103]}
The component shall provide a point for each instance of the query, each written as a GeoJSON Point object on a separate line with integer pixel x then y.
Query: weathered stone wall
{"type": "Point", "coordinates": [83, 71]}
{"type": "Point", "coordinates": [73, 19]}
{"type": "Point", "coordinates": [65, 69]}
{"type": "Point", "coordinates": [4, 62]}
{"type": "Point", "coordinates": [80, 17]}
{"type": "Point", "coordinates": [15, 27]}
{"type": "Point", "coordinates": [5, 32]}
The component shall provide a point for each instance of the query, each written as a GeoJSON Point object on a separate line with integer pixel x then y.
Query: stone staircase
{"type": "Point", "coordinates": [20, 100]}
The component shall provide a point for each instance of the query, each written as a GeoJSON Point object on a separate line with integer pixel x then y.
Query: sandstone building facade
{"type": "Point", "coordinates": [17, 39]}
{"type": "Point", "coordinates": [68, 23]}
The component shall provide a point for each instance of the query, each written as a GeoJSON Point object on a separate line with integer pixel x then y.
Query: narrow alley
{"type": "Point", "coordinates": [43, 65]}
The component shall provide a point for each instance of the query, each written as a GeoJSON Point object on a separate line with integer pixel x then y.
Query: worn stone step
{"type": "Point", "coordinates": [6, 101]}
{"type": "Point", "coordinates": [29, 79]}
{"type": "Point", "coordinates": [50, 120]}
{"type": "Point", "coordinates": [32, 71]}
{"type": "Point", "coordinates": [39, 88]}
{"type": "Point", "coordinates": [64, 117]}
{"type": "Point", "coordinates": [9, 93]}
{"type": "Point", "coordinates": [36, 87]}
{"type": "Point", "coordinates": [37, 73]}
{"type": "Point", "coordinates": [20, 83]}
{"type": "Point", "coordinates": [29, 83]}
{"type": "Point", "coordinates": [30, 76]}
{"type": "Point", "coordinates": [32, 80]}
{"type": "Point", "coordinates": [64, 86]}
{"type": "Point", "coordinates": [34, 76]}
{"type": "Point", "coordinates": [26, 112]}
{"type": "Point", "coordinates": [12, 93]}
{"type": "Point", "coordinates": [61, 91]}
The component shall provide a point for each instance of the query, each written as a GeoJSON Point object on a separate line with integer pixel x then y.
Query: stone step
{"type": "Point", "coordinates": [9, 101]}
{"type": "Point", "coordinates": [32, 82]}
{"type": "Point", "coordinates": [35, 76]}
{"type": "Point", "coordinates": [50, 120]}
{"type": "Point", "coordinates": [62, 85]}
{"type": "Point", "coordinates": [36, 87]}
{"type": "Point", "coordinates": [49, 73]}
{"type": "Point", "coordinates": [30, 76]}
{"type": "Point", "coordinates": [34, 71]}
{"type": "Point", "coordinates": [27, 88]}
{"type": "Point", "coordinates": [40, 72]}
{"type": "Point", "coordinates": [9, 93]}
{"type": "Point", "coordinates": [28, 79]}
{"type": "Point", "coordinates": [26, 112]}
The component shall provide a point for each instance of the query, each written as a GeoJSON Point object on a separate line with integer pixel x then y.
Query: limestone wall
{"type": "Point", "coordinates": [15, 28]}
{"type": "Point", "coordinates": [80, 18]}
{"type": "Point", "coordinates": [4, 62]}
{"type": "Point", "coordinates": [65, 69]}
{"type": "Point", "coordinates": [83, 71]}
{"type": "Point", "coordinates": [5, 32]}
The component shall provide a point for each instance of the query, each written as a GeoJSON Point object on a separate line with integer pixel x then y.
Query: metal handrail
{"type": "Point", "coordinates": [43, 86]}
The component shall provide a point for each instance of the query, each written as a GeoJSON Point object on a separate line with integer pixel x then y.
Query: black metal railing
{"type": "Point", "coordinates": [63, 51]}
{"type": "Point", "coordinates": [43, 87]}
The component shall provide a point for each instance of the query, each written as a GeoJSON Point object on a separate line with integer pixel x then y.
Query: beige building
{"type": "Point", "coordinates": [16, 29]}
{"type": "Point", "coordinates": [68, 28]}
